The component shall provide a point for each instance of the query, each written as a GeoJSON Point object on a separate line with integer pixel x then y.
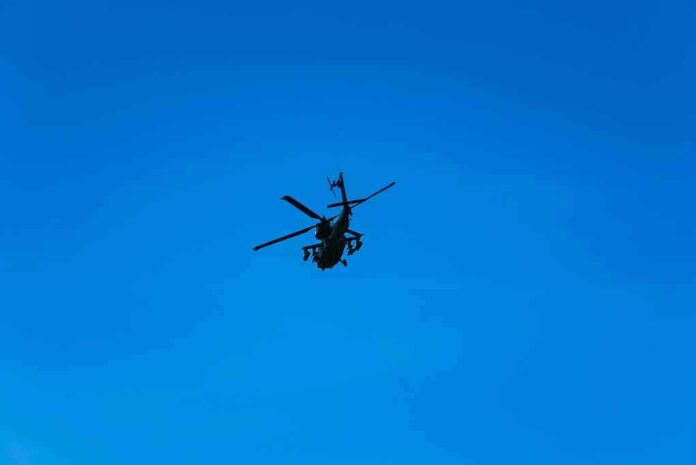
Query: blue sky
{"type": "Point", "coordinates": [526, 293]}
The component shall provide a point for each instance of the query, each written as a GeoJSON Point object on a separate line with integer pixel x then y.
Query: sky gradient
{"type": "Point", "coordinates": [526, 293]}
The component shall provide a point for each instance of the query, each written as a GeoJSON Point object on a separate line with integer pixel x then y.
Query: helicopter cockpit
{"type": "Point", "coordinates": [323, 230]}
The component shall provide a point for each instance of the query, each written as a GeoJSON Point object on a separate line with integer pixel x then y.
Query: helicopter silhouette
{"type": "Point", "coordinates": [334, 233]}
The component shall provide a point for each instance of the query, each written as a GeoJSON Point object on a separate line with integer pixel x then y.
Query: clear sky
{"type": "Point", "coordinates": [526, 293]}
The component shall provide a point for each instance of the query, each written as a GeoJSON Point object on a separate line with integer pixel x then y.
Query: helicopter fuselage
{"type": "Point", "coordinates": [330, 251]}
{"type": "Point", "coordinates": [334, 233]}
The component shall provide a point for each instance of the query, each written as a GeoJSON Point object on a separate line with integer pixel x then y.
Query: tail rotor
{"type": "Point", "coordinates": [332, 185]}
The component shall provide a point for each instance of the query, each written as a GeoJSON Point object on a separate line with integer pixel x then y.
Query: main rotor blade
{"type": "Point", "coordinates": [287, 236]}
{"type": "Point", "coordinates": [378, 192]}
{"type": "Point", "coordinates": [349, 202]}
{"type": "Point", "coordinates": [301, 207]}
{"type": "Point", "coordinates": [357, 202]}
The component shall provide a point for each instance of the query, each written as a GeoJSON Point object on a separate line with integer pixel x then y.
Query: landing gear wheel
{"type": "Point", "coordinates": [344, 262]}
{"type": "Point", "coordinates": [358, 245]}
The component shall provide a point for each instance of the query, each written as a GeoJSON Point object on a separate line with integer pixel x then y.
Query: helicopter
{"type": "Point", "coordinates": [334, 233]}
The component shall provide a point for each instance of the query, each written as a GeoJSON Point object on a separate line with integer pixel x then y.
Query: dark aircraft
{"type": "Point", "coordinates": [331, 232]}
